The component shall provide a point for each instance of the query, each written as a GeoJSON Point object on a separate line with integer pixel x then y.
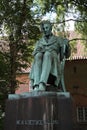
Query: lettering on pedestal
{"type": "Point", "coordinates": [36, 122]}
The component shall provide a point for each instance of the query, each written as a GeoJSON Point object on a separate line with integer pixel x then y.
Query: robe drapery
{"type": "Point", "coordinates": [53, 46]}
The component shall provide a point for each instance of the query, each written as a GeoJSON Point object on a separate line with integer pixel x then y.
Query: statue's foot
{"type": "Point", "coordinates": [42, 87]}
{"type": "Point", "coordinates": [36, 88]}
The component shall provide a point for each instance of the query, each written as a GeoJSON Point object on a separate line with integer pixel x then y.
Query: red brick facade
{"type": "Point", "coordinates": [76, 84]}
{"type": "Point", "coordinates": [23, 79]}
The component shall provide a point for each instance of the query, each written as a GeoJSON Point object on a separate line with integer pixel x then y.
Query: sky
{"type": "Point", "coordinates": [52, 17]}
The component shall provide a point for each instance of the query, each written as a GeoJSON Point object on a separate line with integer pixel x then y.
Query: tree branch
{"type": "Point", "coordinates": [75, 39]}
{"type": "Point", "coordinates": [60, 22]}
{"type": "Point", "coordinates": [70, 20]}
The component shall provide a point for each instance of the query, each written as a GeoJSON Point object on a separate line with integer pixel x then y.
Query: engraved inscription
{"type": "Point", "coordinates": [36, 122]}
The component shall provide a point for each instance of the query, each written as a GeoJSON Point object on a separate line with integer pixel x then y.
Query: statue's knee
{"type": "Point", "coordinates": [47, 54]}
{"type": "Point", "coordinates": [38, 56]}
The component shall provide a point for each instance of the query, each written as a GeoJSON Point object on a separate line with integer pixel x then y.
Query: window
{"type": "Point", "coordinates": [82, 114]}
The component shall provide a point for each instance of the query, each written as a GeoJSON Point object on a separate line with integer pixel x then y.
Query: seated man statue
{"type": "Point", "coordinates": [46, 59]}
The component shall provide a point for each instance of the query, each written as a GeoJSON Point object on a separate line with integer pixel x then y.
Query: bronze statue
{"type": "Point", "coordinates": [49, 53]}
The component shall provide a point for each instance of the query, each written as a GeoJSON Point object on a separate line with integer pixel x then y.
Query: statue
{"type": "Point", "coordinates": [49, 53]}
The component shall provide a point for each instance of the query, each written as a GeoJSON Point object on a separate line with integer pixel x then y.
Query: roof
{"type": "Point", "coordinates": [77, 58]}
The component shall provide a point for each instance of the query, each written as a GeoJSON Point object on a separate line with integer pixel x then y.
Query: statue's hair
{"type": "Point", "coordinates": [45, 22]}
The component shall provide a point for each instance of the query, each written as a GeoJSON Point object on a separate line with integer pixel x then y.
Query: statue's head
{"type": "Point", "coordinates": [46, 27]}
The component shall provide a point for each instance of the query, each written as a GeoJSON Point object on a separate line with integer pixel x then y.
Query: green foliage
{"type": "Point", "coordinates": [81, 26]}
{"type": "Point", "coordinates": [20, 25]}
{"type": "Point", "coordinates": [73, 48]}
{"type": "Point", "coordinates": [18, 20]}
{"type": "Point", "coordinates": [4, 86]}
{"type": "Point", "coordinates": [1, 121]}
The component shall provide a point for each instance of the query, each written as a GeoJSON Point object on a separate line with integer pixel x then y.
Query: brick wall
{"type": "Point", "coordinates": [23, 79]}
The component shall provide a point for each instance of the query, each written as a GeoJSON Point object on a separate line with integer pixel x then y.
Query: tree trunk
{"type": "Point", "coordinates": [13, 66]}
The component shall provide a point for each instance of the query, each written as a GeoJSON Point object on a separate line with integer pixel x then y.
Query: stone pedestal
{"type": "Point", "coordinates": [39, 111]}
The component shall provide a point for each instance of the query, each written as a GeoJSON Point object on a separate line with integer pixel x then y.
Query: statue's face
{"type": "Point", "coordinates": [47, 29]}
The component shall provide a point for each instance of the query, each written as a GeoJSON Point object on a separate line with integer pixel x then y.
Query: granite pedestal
{"type": "Point", "coordinates": [39, 111]}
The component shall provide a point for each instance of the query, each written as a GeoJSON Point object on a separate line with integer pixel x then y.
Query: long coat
{"type": "Point", "coordinates": [53, 46]}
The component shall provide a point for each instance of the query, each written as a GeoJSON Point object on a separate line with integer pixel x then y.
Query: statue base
{"type": "Point", "coordinates": [39, 111]}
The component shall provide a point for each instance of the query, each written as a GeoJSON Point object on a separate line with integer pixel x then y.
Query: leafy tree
{"type": "Point", "coordinates": [81, 23]}
{"type": "Point", "coordinates": [4, 89]}
{"type": "Point", "coordinates": [19, 23]}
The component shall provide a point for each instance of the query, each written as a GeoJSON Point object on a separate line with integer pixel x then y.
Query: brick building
{"type": "Point", "coordinates": [76, 84]}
